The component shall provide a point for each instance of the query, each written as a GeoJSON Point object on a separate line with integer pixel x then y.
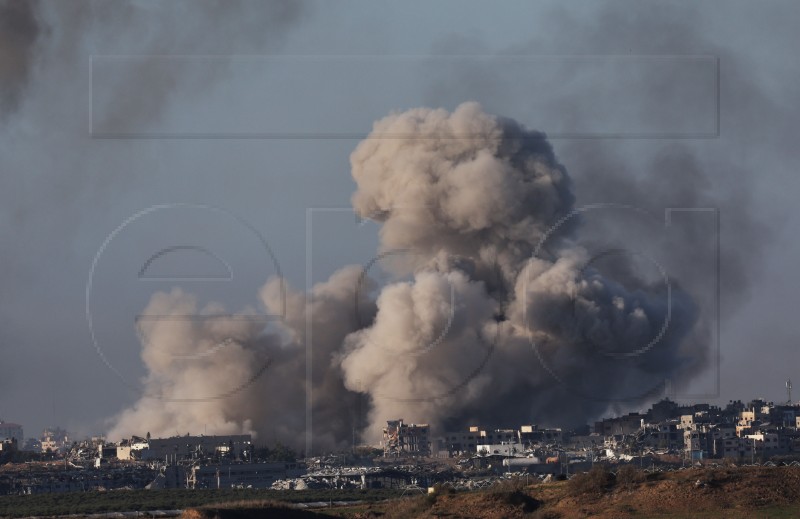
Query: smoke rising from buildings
{"type": "Point", "coordinates": [224, 374]}
{"type": "Point", "coordinates": [63, 191]}
{"type": "Point", "coordinates": [468, 194]}
{"type": "Point", "coordinates": [473, 327]}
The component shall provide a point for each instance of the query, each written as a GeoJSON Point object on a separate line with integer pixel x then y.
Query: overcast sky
{"type": "Point", "coordinates": [130, 128]}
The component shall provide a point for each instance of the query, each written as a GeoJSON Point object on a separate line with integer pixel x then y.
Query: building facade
{"type": "Point", "coordinates": [400, 438]}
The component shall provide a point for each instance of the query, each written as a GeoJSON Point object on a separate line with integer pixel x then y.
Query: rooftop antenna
{"type": "Point", "coordinates": [789, 391]}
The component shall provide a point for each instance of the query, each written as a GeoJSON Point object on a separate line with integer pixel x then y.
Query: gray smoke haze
{"type": "Point", "coordinates": [655, 173]}
{"type": "Point", "coordinates": [675, 173]}
{"type": "Point", "coordinates": [52, 166]}
{"type": "Point", "coordinates": [441, 347]}
{"type": "Point", "coordinates": [187, 47]}
{"type": "Point", "coordinates": [63, 36]}
{"type": "Point", "coordinates": [472, 328]}
{"type": "Point", "coordinates": [19, 31]}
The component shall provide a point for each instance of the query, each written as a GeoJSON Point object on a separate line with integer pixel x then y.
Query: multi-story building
{"type": "Point", "coordinates": [54, 439]}
{"type": "Point", "coordinates": [721, 442]}
{"type": "Point", "coordinates": [400, 438]}
{"type": "Point", "coordinates": [533, 434]}
{"type": "Point", "coordinates": [765, 443]}
{"type": "Point", "coordinates": [479, 440]}
{"type": "Point", "coordinates": [627, 424]}
{"type": "Point", "coordinates": [669, 435]}
{"type": "Point", "coordinates": [461, 442]}
{"type": "Point", "coordinates": [237, 446]}
{"type": "Point", "coordinates": [696, 443]}
{"type": "Point", "coordinates": [8, 445]}
{"type": "Point", "coordinates": [242, 475]}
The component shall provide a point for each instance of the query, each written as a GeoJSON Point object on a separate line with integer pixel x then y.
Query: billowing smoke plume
{"type": "Point", "coordinates": [469, 194]}
{"type": "Point", "coordinates": [461, 185]}
{"type": "Point", "coordinates": [490, 326]}
{"type": "Point", "coordinates": [224, 374]}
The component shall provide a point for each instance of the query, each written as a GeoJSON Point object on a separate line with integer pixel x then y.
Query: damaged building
{"type": "Point", "coordinates": [402, 439]}
{"type": "Point", "coordinates": [237, 446]}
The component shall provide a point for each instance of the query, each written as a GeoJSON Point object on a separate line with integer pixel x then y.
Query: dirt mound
{"type": "Point", "coordinates": [718, 492]}
{"type": "Point", "coordinates": [708, 493]}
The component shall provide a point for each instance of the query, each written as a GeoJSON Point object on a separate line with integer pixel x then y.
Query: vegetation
{"type": "Point", "coordinates": [512, 492]}
{"type": "Point", "coordinates": [595, 482]}
{"type": "Point", "coordinates": [628, 477]}
{"type": "Point", "coordinates": [710, 493]}
{"type": "Point", "coordinates": [172, 499]}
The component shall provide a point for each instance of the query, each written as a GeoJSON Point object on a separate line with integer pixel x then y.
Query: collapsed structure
{"type": "Point", "coordinates": [176, 448]}
{"type": "Point", "coordinates": [400, 438]}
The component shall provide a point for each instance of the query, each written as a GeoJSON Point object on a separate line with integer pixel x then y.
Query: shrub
{"type": "Point", "coordinates": [629, 476]}
{"type": "Point", "coordinates": [439, 488]}
{"type": "Point", "coordinates": [547, 514]}
{"type": "Point", "coordinates": [596, 481]}
{"type": "Point", "coordinates": [511, 492]}
{"type": "Point", "coordinates": [513, 484]}
{"type": "Point", "coordinates": [411, 507]}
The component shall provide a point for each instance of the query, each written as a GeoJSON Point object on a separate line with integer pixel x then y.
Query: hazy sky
{"type": "Point", "coordinates": [246, 113]}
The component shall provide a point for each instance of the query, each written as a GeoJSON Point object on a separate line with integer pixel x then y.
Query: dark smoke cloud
{"type": "Point", "coordinates": [57, 181]}
{"type": "Point", "coordinates": [63, 37]}
{"type": "Point", "coordinates": [19, 31]}
{"type": "Point", "coordinates": [208, 34]}
{"type": "Point", "coordinates": [658, 173]}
